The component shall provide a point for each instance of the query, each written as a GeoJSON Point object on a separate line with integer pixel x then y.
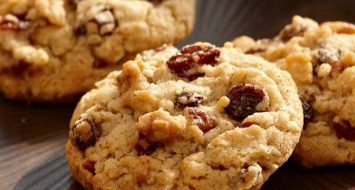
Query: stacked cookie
{"type": "Point", "coordinates": [321, 60]}
{"type": "Point", "coordinates": [55, 50]}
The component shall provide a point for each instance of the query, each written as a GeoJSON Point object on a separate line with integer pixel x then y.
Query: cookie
{"type": "Point", "coordinates": [56, 50]}
{"type": "Point", "coordinates": [321, 59]}
{"type": "Point", "coordinates": [201, 117]}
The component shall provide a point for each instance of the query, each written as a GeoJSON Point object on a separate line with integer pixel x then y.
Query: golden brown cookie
{"type": "Point", "coordinates": [201, 117]}
{"type": "Point", "coordinates": [55, 50]}
{"type": "Point", "coordinates": [321, 59]}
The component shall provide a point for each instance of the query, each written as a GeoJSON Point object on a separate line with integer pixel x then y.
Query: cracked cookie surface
{"type": "Point", "coordinates": [152, 125]}
{"type": "Point", "coordinates": [321, 59]}
{"type": "Point", "coordinates": [55, 50]}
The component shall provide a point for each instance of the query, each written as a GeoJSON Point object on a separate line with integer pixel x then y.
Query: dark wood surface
{"type": "Point", "coordinates": [32, 137]}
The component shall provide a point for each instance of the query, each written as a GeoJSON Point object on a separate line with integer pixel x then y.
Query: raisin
{"type": "Point", "coordinates": [85, 133]}
{"type": "Point", "coordinates": [187, 99]}
{"type": "Point", "coordinates": [202, 119]}
{"type": "Point", "coordinates": [100, 64]}
{"type": "Point", "coordinates": [20, 67]}
{"type": "Point", "coordinates": [89, 165]}
{"type": "Point", "coordinates": [195, 76]}
{"type": "Point", "coordinates": [344, 130]}
{"type": "Point", "coordinates": [204, 55]}
{"type": "Point", "coordinates": [243, 101]}
{"type": "Point", "coordinates": [81, 31]}
{"type": "Point", "coordinates": [291, 31]}
{"type": "Point", "coordinates": [308, 112]}
{"type": "Point", "coordinates": [190, 58]}
{"type": "Point", "coordinates": [144, 147]}
{"type": "Point", "coordinates": [181, 64]}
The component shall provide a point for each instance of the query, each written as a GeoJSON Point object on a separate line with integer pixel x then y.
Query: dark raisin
{"type": "Point", "coordinates": [81, 31]}
{"type": "Point", "coordinates": [181, 64]}
{"type": "Point", "coordinates": [190, 58]}
{"type": "Point", "coordinates": [187, 99]}
{"type": "Point", "coordinates": [202, 119]}
{"type": "Point", "coordinates": [89, 165]}
{"type": "Point", "coordinates": [99, 63]}
{"type": "Point", "coordinates": [344, 130]}
{"type": "Point", "coordinates": [85, 133]}
{"type": "Point", "coordinates": [195, 76]}
{"type": "Point", "coordinates": [308, 112]}
{"type": "Point", "coordinates": [291, 31]}
{"type": "Point", "coordinates": [206, 55]}
{"type": "Point", "coordinates": [22, 17]}
{"type": "Point", "coordinates": [243, 101]}
{"type": "Point", "coordinates": [20, 67]}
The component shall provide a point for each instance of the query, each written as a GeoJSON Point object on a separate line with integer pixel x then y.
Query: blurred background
{"type": "Point", "coordinates": [221, 20]}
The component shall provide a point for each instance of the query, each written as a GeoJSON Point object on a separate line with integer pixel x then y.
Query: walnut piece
{"type": "Point", "coordinates": [160, 126]}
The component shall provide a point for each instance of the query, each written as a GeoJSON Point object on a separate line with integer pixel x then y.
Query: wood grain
{"type": "Point", "coordinates": [32, 137]}
{"type": "Point", "coordinates": [29, 135]}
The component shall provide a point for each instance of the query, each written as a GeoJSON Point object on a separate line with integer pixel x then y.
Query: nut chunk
{"type": "Point", "coordinates": [160, 126]}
